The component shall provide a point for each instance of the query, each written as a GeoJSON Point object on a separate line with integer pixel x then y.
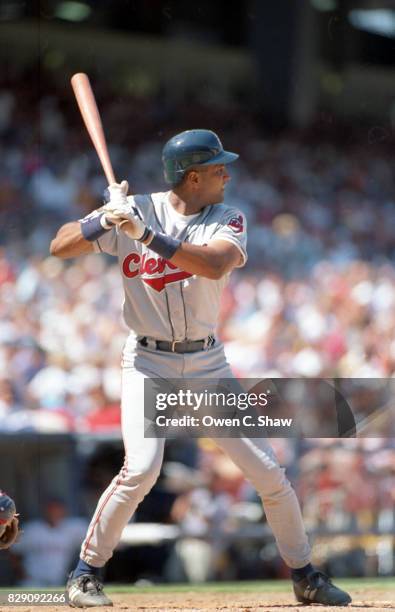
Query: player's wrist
{"type": "Point", "coordinates": [164, 245]}
{"type": "Point", "coordinates": [147, 237]}
{"type": "Point", "coordinates": [94, 227]}
{"type": "Point", "coordinates": [105, 222]}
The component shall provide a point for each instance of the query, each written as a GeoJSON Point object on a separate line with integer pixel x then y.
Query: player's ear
{"type": "Point", "coordinates": [193, 177]}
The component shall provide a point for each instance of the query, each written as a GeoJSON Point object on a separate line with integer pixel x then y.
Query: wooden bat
{"type": "Point", "coordinates": [90, 114]}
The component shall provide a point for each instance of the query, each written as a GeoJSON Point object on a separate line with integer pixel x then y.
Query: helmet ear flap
{"type": "Point", "coordinates": [173, 175]}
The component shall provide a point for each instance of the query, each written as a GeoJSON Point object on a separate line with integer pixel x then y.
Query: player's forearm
{"type": "Point", "coordinates": [69, 242]}
{"type": "Point", "coordinates": [213, 261]}
{"type": "Point", "coordinates": [209, 261]}
{"type": "Point", "coordinates": [202, 260]}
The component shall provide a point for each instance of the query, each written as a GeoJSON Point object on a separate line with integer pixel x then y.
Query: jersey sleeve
{"type": "Point", "coordinates": [108, 243]}
{"type": "Point", "coordinates": [233, 228]}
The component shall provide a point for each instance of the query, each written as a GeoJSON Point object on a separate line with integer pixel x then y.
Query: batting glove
{"type": "Point", "coordinates": [115, 198]}
{"type": "Point", "coordinates": [135, 228]}
{"type": "Point", "coordinates": [120, 212]}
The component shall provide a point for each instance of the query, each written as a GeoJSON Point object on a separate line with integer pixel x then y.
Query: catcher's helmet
{"type": "Point", "coordinates": [7, 508]}
{"type": "Point", "coordinates": [192, 148]}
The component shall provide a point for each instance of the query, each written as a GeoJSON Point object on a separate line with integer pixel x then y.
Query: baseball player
{"type": "Point", "coordinates": [9, 521]}
{"type": "Point", "coordinates": [175, 252]}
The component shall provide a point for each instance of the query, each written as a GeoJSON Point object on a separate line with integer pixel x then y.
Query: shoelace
{"type": "Point", "coordinates": [315, 577]}
{"type": "Point", "coordinates": [96, 584]}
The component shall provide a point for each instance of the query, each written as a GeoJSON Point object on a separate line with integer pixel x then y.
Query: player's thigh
{"type": "Point", "coordinates": [243, 450]}
{"type": "Point", "coordinates": [144, 454]}
{"type": "Point", "coordinates": [251, 455]}
{"type": "Point", "coordinates": [207, 364]}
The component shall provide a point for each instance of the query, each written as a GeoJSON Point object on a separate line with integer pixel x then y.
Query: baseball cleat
{"type": "Point", "coordinates": [316, 588]}
{"type": "Point", "coordinates": [86, 591]}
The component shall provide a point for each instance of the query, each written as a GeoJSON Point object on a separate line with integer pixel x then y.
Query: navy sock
{"type": "Point", "coordinates": [85, 568]}
{"type": "Point", "coordinates": [301, 572]}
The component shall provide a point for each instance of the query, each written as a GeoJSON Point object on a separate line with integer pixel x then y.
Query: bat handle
{"type": "Point", "coordinates": [110, 175]}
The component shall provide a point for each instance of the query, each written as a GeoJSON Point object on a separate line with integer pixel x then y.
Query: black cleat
{"type": "Point", "coordinates": [86, 591]}
{"type": "Point", "coordinates": [316, 588]}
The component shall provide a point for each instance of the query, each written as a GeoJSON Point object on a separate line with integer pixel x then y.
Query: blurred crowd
{"type": "Point", "coordinates": [316, 299]}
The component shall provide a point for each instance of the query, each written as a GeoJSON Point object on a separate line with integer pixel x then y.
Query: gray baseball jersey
{"type": "Point", "coordinates": [162, 301]}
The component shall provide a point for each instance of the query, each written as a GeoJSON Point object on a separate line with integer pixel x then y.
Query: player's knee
{"type": "Point", "coordinates": [274, 485]}
{"type": "Point", "coordinates": [142, 476]}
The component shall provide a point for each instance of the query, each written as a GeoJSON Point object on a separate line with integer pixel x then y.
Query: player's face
{"type": "Point", "coordinates": [212, 181]}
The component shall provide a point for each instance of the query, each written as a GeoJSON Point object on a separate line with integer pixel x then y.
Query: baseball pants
{"type": "Point", "coordinates": [143, 459]}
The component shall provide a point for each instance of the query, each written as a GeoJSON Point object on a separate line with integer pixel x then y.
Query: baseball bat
{"type": "Point", "coordinates": [90, 114]}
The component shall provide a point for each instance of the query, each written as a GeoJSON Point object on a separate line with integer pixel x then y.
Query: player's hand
{"type": "Point", "coordinates": [120, 212]}
{"type": "Point", "coordinates": [135, 228]}
{"type": "Point", "coordinates": [116, 205]}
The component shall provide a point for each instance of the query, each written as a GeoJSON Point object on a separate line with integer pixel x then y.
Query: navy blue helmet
{"type": "Point", "coordinates": [7, 508]}
{"type": "Point", "coordinates": [192, 148]}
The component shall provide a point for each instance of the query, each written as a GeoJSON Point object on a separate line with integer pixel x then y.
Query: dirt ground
{"type": "Point", "coordinates": [364, 600]}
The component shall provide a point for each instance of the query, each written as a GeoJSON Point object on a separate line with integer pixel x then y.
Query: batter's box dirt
{"type": "Point", "coordinates": [239, 597]}
{"type": "Point", "coordinates": [243, 602]}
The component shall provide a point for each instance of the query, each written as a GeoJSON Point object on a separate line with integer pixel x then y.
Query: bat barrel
{"type": "Point", "coordinates": [91, 116]}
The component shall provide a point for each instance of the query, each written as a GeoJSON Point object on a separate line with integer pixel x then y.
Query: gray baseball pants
{"type": "Point", "coordinates": [143, 459]}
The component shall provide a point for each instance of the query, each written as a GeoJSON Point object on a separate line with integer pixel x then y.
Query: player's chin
{"type": "Point", "coordinates": [219, 197]}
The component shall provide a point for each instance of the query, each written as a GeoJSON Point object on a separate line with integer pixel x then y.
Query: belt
{"type": "Point", "coordinates": [177, 346]}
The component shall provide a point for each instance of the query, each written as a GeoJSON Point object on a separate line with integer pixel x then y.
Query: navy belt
{"type": "Point", "coordinates": [177, 346]}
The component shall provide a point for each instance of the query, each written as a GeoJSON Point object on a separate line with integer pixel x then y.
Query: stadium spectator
{"type": "Point", "coordinates": [49, 545]}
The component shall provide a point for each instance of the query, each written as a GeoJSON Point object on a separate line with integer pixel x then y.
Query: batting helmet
{"type": "Point", "coordinates": [192, 148]}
